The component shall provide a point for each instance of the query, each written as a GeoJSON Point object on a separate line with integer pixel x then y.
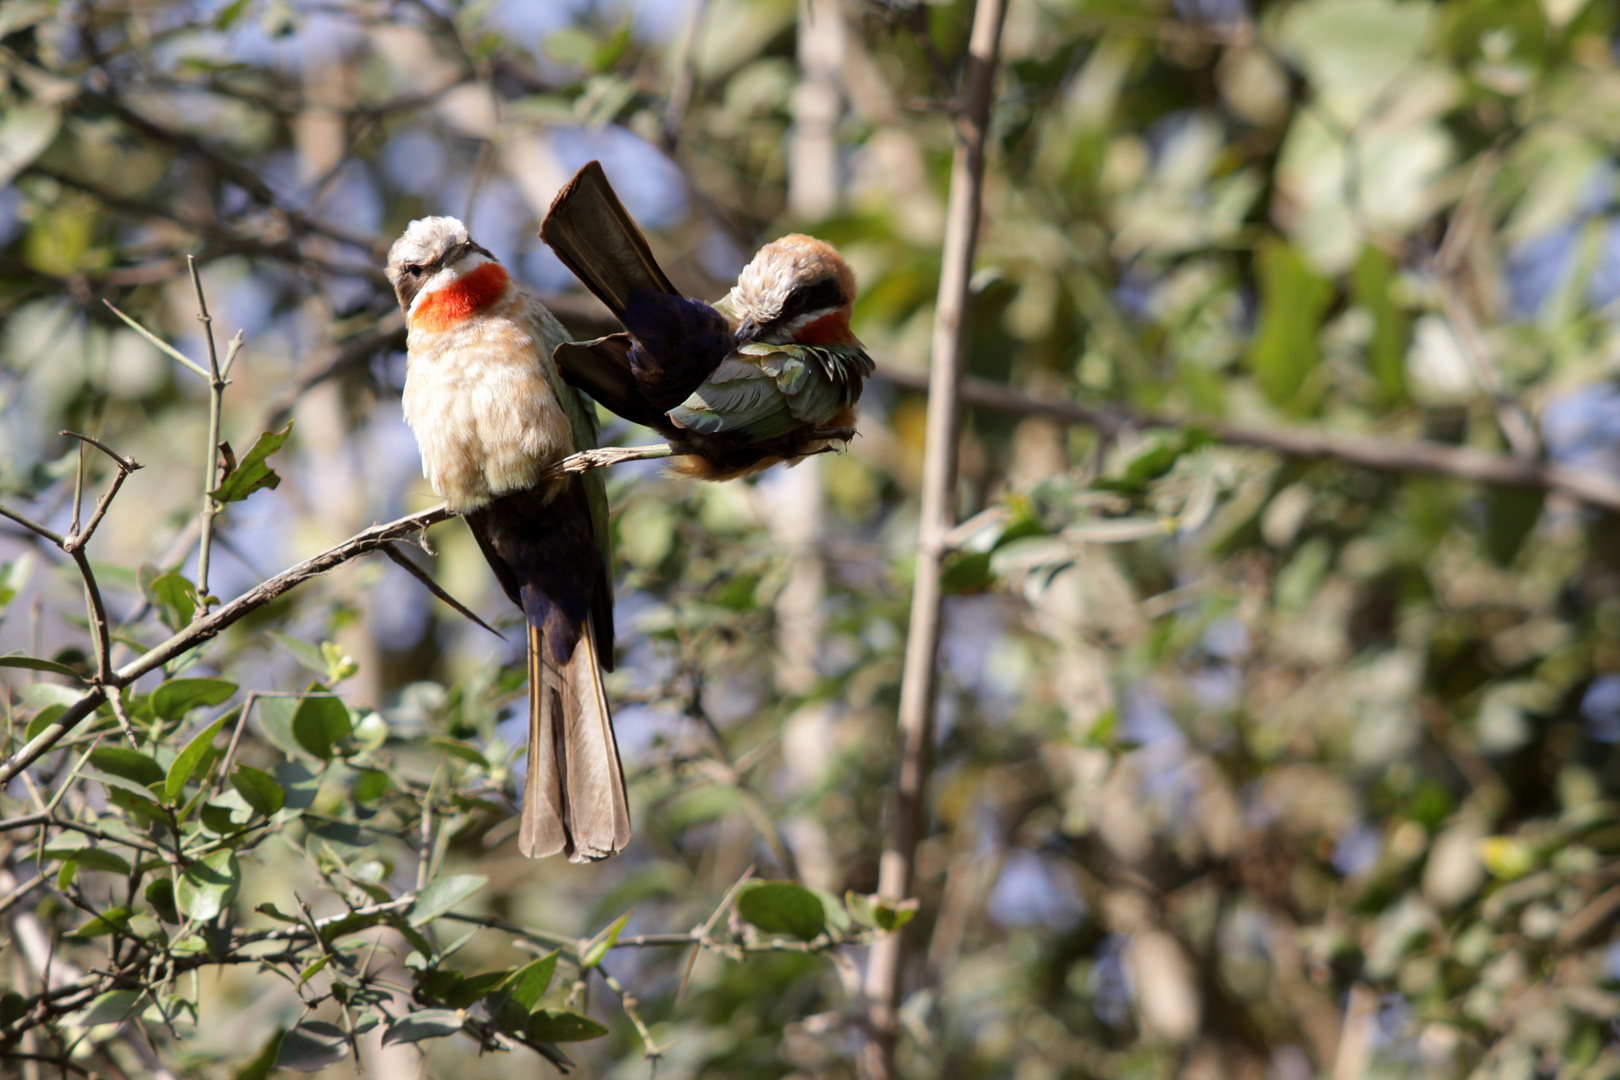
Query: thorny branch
{"type": "Point", "coordinates": [209, 626]}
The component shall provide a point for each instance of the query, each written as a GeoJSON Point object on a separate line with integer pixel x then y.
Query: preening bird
{"type": "Point", "coordinates": [770, 373]}
{"type": "Point", "coordinates": [490, 412]}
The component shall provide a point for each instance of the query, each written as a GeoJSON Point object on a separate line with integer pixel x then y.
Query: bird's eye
{"type": "Point", "coordinates": [415, 270]}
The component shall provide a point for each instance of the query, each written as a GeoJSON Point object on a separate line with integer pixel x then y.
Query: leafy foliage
{"type": "Point", "coordinates": [1249, 762]}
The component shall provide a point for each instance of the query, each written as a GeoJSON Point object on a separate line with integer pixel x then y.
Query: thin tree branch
{"type": "Point", "coordinates": [79, 537]}
{"type": "Point", "coordinates": [209, 626]}
{"type": "Point", "coordinates": [97, 610]}
{"type": "Point", "coordinates": [185, 360]}
{"type": "Point", "coordinates": [216, 401]}
{"type": "Point", "coordinates": [32, 526]}
{"type": "Point", "coordinates": [1375, 453]}
{"type": "Point", "coordinates": [919, 676]}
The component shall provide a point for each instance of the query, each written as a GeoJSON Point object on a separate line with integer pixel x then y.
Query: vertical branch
{"type": "Point", "coordinates": [918, 680]}
{"type": "Point", "coordinates": [216, 396]}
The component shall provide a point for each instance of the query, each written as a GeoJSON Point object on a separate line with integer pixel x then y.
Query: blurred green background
{"type": "Point", "coordinates": [1249, 765]}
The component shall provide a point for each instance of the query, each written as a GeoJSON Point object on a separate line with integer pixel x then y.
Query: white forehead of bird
{"type": "Point", "coordinates": [783, 265]}
{"type": "Point", "coordinates": [424, 241]}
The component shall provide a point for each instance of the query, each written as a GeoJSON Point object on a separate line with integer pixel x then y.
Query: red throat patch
{"type": "Point", "coordinates": [828, 330]}
{"type": "Point", "coordinates": [444, 307]}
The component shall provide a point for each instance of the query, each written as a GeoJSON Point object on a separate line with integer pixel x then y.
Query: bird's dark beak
{"type": "Point", "coordinates": [747, 330]}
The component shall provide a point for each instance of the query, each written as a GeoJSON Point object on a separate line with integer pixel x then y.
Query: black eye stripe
{"type": "Point", "coordinates": [817, 296]}
{"type": "Point", "coordinates": [413, 276]}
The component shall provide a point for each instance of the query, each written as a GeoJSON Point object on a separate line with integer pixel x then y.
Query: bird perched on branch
{"type": "Point", "coordinates": [490, 411]}
{"type": "Point", "coordinates": [770, 373]}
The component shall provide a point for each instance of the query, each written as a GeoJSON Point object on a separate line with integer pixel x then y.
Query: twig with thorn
{"type": "Point", "coordinates": [216, 398]}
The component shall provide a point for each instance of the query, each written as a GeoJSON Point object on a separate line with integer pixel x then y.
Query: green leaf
{"type": "Point", "coordinates": [893, 916]}
{"type": "Point", "coordinates": [781, 907]}
{"type": "Point", "coordinates": [209, 885]}
{"type": "Point", "coordinates": [299, 783]}
{"type": "Point", "coordinates": [313, 970]}
{"type": "Point", "coordinates": [13, 576]}
{"type": "Point", "coordinates": [967, 572]}
{"type": "Point", "coordinates": [423, 1024]}
{"type": "Point", "coordinates": [1510, 515]}
{"type": "Point", "coordinates": [463, 993]}
{"type": "Point", "coordinates": [26, 129]}
{"type": "Point", "coordinates": [262, 1063]}
{"type": "Point", "coordinates": [160, 894]}
{"type": "Point", "coordinates": [110, 1008]}
{"type": "Point", "coordinates": [143, 807]}
{"type": "Point", "coordinates": [321, 722]}
{"type": "Point", "coordinates": [458, 749]}
{"type": "Point", "coordinates": [34, 663]}
{"type": "Point", "coordinates": [187, 762]}
{"type": "Point", "coordinates": [229, 14]}
{"type": "Point", "coordinates": [442, 895]}
{"type": "Point", "coordinates": [218, 819]}
{"type": "Point", "coordinates": [529, 983]}
{"type": "Point", "coordinates": [43, 719]}
{"type": "Point", "coordinates": [1292, 301]}
{"type": "Point", "coordinates": [273, 912]}
{"type": "Point", "coordinates": [414, 938]}
{"type": "Point", "coordinates": [113, 919]}
{"type": "Point", "coordinates": [302, 651]}
{"type": "Point", "coordinates": [312, 1046]}
{"type": "Point", "coordinates": [252, 473]}
{"type": "Point", "coordinates": [1372, 286]}
{"type": "Point", "coordinates": [259, 790]}
{"type": "Point", "coordinates": [175, 698]}
{"type": "Point", "coordinates": [560, 1025]}
{"type": "Point", "coordinates": [598, 947]}
{"type": "Point", "coordinates": [13, 1007]}
{"type": "Point", "coordinates": [573, 46]}
{"type": "Point", "coordinates": [96, 858]}
{"type": "Point", "coordinates": [173, 596]}
{"type": "Point", "coordinates": [371, 785]}
{"type": "Point", "coordinates": [127, 763]}
{"type": "Point", "coordinates": [275, 721]}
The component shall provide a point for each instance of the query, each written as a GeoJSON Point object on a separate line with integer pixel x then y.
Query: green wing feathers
{"type": "Point", "coordinates": [765, 391]}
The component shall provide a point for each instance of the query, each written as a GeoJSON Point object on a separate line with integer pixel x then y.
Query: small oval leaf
{"type": "Point", "coordinates": [560, 1025]}
{"type": "Point", "coordinates": [259, 790]}
{"type": "Point", "coordinates": [312, 1046]}
{"type": "Point", "coordinates": [781, 907]}
{"type": "Point", "coordinates": [175, 698]}
{"type": "Point", "coordinates": [209, 885]}
{"type": "Point", "coordinates": [121, 761]}
{"type": "Point", "coordinates": [442, 895]}
{"type": "Point", "coordinates": [320, 723]}
{"type": "Point", "coordinates": [189, 760]}
{"type": "Point", "coordinates": [425, 1024]}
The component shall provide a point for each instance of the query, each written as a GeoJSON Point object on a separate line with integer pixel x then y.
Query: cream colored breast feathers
{"type": "Point", "coordinates": [481, 402]}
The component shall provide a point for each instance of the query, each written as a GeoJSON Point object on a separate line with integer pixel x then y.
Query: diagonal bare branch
{"type": "Point", "coordinates": [210, 626]}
